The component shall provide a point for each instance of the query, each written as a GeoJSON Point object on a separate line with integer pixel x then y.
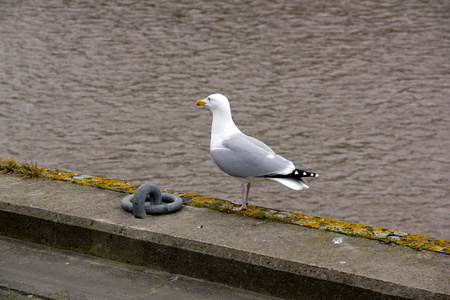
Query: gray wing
{"type": "Point", "coordinates": [244, 156]}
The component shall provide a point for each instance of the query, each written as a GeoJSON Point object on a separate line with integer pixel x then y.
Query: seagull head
{"type": "Point", "coordinates": [214, 102]}
{"type": "Point", "coordinates": [222, 123]}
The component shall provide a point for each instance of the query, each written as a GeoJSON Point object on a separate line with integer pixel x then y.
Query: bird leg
{"type": "Point", "coordinates": [245, 192]}
{"type": "Point", "coordinates": [243, 196]}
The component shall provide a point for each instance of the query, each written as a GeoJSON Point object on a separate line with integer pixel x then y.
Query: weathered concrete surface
{"type": "Point", "coordinates": [386, 235]}
{"type": "Point", "coordinates": [28, 270]}
{"type": "Point", "coordinates": [267, 257]}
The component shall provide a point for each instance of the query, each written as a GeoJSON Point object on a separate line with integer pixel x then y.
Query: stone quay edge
{"type": "Point", "coordinates": [267, 252]}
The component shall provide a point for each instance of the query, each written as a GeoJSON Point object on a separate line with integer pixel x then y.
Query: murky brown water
{"type": "Point", "coordinates": [358, 91]}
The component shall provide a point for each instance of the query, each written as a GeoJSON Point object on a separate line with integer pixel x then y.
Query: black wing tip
{"type": "Point", "coordinates": [301, 173]}
{"type": "Point", "coordinates": [297, 174]}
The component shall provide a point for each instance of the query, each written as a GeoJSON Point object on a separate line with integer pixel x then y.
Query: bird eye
{"type": "Point", "coordinates": [209, 98]}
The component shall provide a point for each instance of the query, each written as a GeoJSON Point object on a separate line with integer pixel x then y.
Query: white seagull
{"type": "Point", "coordinates": [244, 157]}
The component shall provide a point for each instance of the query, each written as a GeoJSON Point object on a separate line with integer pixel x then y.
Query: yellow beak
{"type": "Point", "coordinates": [200, 102]}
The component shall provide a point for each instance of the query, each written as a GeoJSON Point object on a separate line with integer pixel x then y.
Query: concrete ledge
{"type": "Point", "coordinates": [256, 254]}
{"type": "Point", "coordinates": [389, 236]}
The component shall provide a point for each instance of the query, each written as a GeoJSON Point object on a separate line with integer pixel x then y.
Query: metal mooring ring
{"type": "Point", "coordinates": [149, 192]}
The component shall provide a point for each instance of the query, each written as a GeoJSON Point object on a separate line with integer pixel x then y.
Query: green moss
{"type": "Point", "coordinates": [260, 215]}
{"type": "Point", "coordinates": [196, 204]}
{"type": "Point", "coordinates": [327, 229]}
{"type": "Point", "coordinates": [223, 208]}
{"type": "Point", "coordinates": [266, 216]}
{"type": "Point", "coordinates": [418, 247]}
{"type": "Point", "coordinates": [357, 234]}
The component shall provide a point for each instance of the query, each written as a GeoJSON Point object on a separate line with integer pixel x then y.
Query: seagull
{"type": "Point", "coordinates": [244, 157]}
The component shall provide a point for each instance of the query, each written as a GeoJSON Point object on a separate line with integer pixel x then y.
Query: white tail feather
{"type": "Point", "coordinates": [291, 183]}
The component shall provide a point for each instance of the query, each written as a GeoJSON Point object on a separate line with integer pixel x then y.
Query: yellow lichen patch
{"type": "Point", "coordinates": [84, 182]}
{"type": "Point", "coordinates": [87, 180]}
{"type": "Point", "coordinates": [256, 208]}
{"type": "Point", "coordinates": [61, 175]}
{"type": "Point", "coordinates": [189, 195]}
{"type": "Point", "coordinates": [420, 242]}
{"type": "Point", "coordinates": [203, 199]}
{"type": "Point", "coordinates": [64, 176]}
{"type": "Point", "coordinates": [112, 184]}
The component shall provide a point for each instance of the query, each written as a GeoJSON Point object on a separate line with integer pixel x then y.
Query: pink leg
{"type": "Point", "coordinates": [243, 196]}
{"type": "Point", "coordinates": [245, 192]}
{"type": "Point", "coordinates": [248, 192]}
